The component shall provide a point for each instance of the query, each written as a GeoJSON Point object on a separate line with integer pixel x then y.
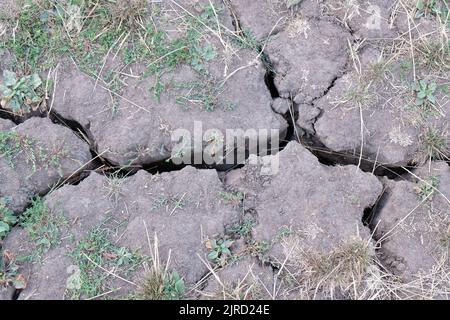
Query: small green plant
{"type": "Point", "coordinates": [96, 250]}
{"type": "Point", "coordinates": [284, 232]}
{"type": "Point", "coordinates": [20, 95]}
{"type": "Point", "coordinates": [243, 228]}
{"type": "Point", "coordinates": [232, 197]}
{"type": "Point", "coordinates": [426, 97]}
{"type": "Point", "coordinates": [174, 286]}
{"type": "Point", "coordinates": [426, 188]}
{"type": "Point", "coordinates": [42, 225]}
{"type": "Point", "coordinates": [200, 55]}
{"type": "Point", "coordinates": [199, 94]}
{"type": "Point", "coordinates": [423, 7]}
{"type": "Point", "coordinates": [291, 3]}
{"type": "Point", "coordinates": [7, 218]}
{"type": "Point", "coordinates": [127, 13]}
{"type": "Point", "coordinates": [246, 39]}
{"type": "Point", "coordinates": [425, 92]}
{"type": "Point", "coordinates": [259, 248]}
{"type": "Point", "coordinates": [170, 203]}
{"type": "Point", "coordinates": [9, 271]}
{"type": "Point", "coordinates": [219, 250]}
{"type": "Point", "coordinates": [202, 94]}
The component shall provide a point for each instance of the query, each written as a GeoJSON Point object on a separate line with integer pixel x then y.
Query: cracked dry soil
{"type": "Point", "coordinates": [93, 206]}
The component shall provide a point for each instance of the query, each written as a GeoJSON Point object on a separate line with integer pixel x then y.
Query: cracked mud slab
{"type": "Point", "coordinates": [306, 67]}
{"type": "Point", "coordinates": [412, 225]}
{"type": "Point", "coordinates": [37, 154]}
{"type": "Point", "coordinates": [321, 193]}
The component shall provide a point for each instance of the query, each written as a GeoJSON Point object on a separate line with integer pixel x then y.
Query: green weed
{"type": "Point", "coordinates": [426, 188]}
{"type": "Point", "coordinates": [425, 92]}
{"type": "Point", "coordinates": [42, 225]}
{"type": "Point", "coordinates": [201, 94]}
{"type": "Point", "coordinates": [159, 283]}
{"type": "Point", "coordinates": [335, 269]}
{"type": "Point", "coordinates": [20, 95]}
{"type": "Point", "coordinates": [219, 250]}
{"type": "Point", "coordinates": [259, 248]}
{"type": "Point", "coordinates": [232, 197]}
{"type": "Point", "coordinates": [9, 271]}
{"type": "Point", "coordinates": [243, 228]}
{"type": "Point", "coordinates": [35, 43]}
{"type": "Point", "coordinates": [247, 40]}
{"type": "Point", "coordinates": [96, 250]}
{"type": "Point", "coordinates": [360, 94]}
{"type": "Point", "coordinates": [113, 188]}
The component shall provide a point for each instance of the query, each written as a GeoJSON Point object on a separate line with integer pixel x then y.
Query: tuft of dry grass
{"type": "Point", "coordinates": [433, 145]}
{"type": "Point", "coordinates": [434, 54]}
{"type": "Point", "coordinates": [159, 283]}
{"type": "Point", "coordinates": [152, 287]}
{"type": "Point", "coordinates": [326, 273]}
{"type": "Point", "coordinates": [352, 271]}
{"type": "Point", "coordinates": [128, 13]}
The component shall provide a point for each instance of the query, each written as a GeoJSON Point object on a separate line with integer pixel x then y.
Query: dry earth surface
{"type": "Point", "coordinates": [349, 201]}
